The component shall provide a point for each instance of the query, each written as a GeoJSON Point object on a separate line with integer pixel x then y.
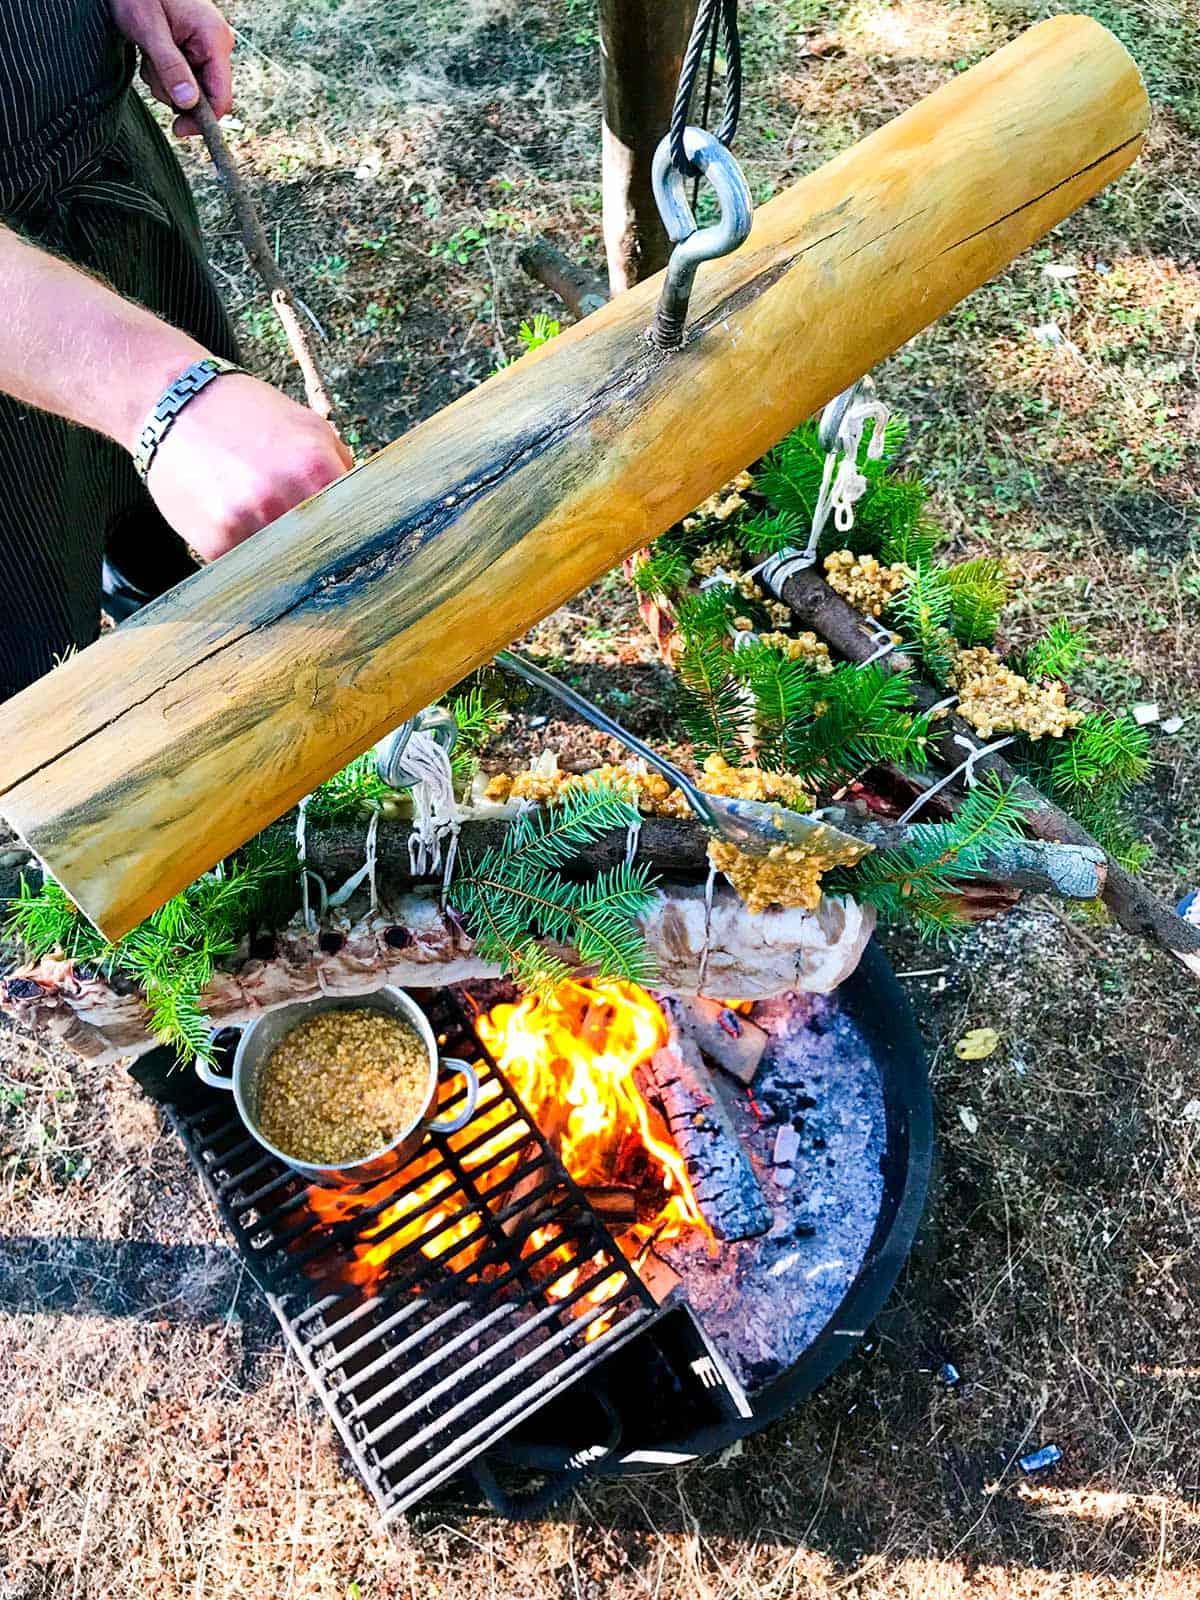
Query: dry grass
{"type": "Point", "coordinates": [156, 1440]}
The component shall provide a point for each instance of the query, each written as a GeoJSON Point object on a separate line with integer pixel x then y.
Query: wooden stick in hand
{"type": "Point", "coordinates": [262, 259]}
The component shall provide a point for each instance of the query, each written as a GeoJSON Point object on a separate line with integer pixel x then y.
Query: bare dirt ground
{"type": "Point", "coordinates": [155, 1439]}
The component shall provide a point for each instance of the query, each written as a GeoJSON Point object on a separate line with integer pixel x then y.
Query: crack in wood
{"type": "Point", "coordinates": [1037, 199]}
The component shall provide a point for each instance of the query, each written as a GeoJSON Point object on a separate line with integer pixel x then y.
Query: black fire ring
{"type": "Point", "coordinates": [875, 1002]}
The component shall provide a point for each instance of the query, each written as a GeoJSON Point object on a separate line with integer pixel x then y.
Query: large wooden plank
{"type": "Point", "coordinates": [139, 763]}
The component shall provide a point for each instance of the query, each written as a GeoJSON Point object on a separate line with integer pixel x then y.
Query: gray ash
{"type": "Point", "coordinates": [814, 1124]}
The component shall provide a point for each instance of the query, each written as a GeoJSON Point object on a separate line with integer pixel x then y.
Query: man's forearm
{"type": "Point", "coordinates": [239, 454]}
{"type": "Point", "coordinates": [72, 346]}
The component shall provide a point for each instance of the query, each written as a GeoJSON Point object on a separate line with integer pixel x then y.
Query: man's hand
{"type": "Point", "coordinates": [185, 44]}
{"type": "Point", "coordinates": [238, 456]}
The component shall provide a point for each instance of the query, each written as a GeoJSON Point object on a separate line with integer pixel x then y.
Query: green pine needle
{"type": "Point", "coordinates": [1056, 655]}
{"type": "Point", "coordinates": [923, 612]}
{"type": "Point", "coordinates": [662, 572]}
{"type": "Point", "coordinates": [979, 591]}
{"type": "Point", "coordinates": [512, 897]}
{"type": "Point", "coordinates": [172, 956]}
{"type": "Point", "coordinates": [917, 881]}
{"type": "Point", "coordinates": [1104, 750]}
{"type": "Point", "coordinates": [479, 717]}
{"type": "Point", "coordinates": [771, 532]}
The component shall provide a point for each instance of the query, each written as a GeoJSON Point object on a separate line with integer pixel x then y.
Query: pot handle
{"type": "Point", "coordinates": [460, 1118]}
{"type": "Point", "coordinates": [209, 1075]}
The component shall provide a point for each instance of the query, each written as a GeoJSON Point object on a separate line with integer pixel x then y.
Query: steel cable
{"type": "Point", "coordinates": [713, 18]}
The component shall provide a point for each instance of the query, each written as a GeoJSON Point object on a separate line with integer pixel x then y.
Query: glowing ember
{"type": "Point", "coordinates": [572, 1059]}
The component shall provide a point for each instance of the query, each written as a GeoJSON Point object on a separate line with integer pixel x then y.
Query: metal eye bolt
{"type": "Point", "coordinates": [692, 244]}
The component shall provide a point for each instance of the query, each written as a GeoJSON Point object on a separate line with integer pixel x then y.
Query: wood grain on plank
{"type": "Point", "coordinates": [139, 763]}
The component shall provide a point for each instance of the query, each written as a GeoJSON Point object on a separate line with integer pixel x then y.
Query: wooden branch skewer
{"type": "Point", "coordinates": [818, 607]}
{"type": "Point", "coordinates": [262, 259]}
{"type": "Point", "coordinates": [677, 848]}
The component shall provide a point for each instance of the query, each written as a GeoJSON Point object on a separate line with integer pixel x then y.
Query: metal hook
{"type": "Point", "coordinates": [861, 391]}
{"type": "Point", "coordinates": [389, 752]}
{"type": "Point", "coordinates": [692, 244]}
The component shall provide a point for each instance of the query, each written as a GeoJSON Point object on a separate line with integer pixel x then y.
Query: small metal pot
{"type": "Point", "coordinates": [260, 1039]}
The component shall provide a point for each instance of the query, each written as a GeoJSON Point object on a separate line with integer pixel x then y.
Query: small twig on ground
{"type": "Point", "coordinates": [262, 259]}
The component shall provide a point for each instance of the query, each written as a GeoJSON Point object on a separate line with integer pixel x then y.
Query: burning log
{"type": "Point", "coordinates": [657, 1275]}
{"type": "Point", "coordinates": [732, 1042]}
{"type": "Point", "coordinates": [616, 1203]}
{"type": "Point", "coordinates": [718, 1166]}
{"type": "Point", "coordinates": [139, 763]}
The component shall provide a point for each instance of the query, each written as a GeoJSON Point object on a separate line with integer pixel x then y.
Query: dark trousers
{"type": "Point", "coordinates": [69, 498]}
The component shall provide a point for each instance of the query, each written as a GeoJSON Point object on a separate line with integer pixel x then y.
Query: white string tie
{"type": "Point", "coordinates": [842, 486]}
{"type": "Point", "coordinates": [709, 885]}
{"type": "Point", "coordinates": [717, 578]}
{"type": "Point", "coordinates": [436, 815]}
{"type": "Point", "coordinates": [633, 835]}
{"type": "Point", "coordinates": [310, 921]}
{"type": "Point", "coordinates": [965, 769]}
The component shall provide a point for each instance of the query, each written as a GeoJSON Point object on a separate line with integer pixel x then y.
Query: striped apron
{"type": "Point", "coordinates": [85, 171]}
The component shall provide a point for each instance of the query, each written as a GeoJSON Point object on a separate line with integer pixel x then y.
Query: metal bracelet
{"type": "Point", "coordinates": [170, 403]}
{"type": "Point", "coordinates": [692, 244]}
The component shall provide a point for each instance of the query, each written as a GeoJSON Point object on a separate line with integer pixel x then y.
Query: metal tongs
{"type": "Point", "coordinates": [755, 826]}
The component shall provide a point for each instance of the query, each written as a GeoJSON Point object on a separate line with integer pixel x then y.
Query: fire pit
{"type": "Point", "coordinates": [648, 1241]}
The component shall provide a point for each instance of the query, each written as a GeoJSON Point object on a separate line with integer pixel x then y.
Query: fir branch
{"type": "Point", "coordinates": [979, 591]}
{"type": "Point", "coordinates": [783, 691]}
{"type": "Point", "coordinates": [771, 532]}
{"type": "Point", "coordinates": [923, 611]}
{"type": "Point", "coordinates": [349, 795]}
{"type": "Point", "coordinates": [514, 896]}
{"type": "Point", "coordinates": [663, 571]}
{"type": "Point", "coordinates": [173, 955]}
{"type": "Point", "coordinates": [710, 702]}
{"type": "Point", "coordinates": [479, 718]}
{"type": "Point", "coordinates": [864, 715]}
{"type": "Point", "coordinates": [1103, 751]}
{"type": "Point", "coordinates": [1056, 654]}
{"type": "Point", "coordinates": [917, 881]}
{"type": "Point", "coordinates": [891, 517]}
{"type": "Point", "coordinates": [703, 617]}
{"type": "Point", "coordinates": [790, 475]}
{"type": "Point", "coordinates": [582, 813]}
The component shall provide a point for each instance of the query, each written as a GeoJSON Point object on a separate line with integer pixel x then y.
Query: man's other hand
{"type": "Point", "coordinates": [238, 456]}
{"type": "Point", "coordinates": [185, 45]}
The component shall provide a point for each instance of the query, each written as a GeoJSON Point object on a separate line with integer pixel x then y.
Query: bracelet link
{"type": "Point", "coordinates": [170, 403]}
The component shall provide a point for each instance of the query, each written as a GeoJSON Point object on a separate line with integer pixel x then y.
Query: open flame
{"type": "Point", "coordinates": [573, 1059]}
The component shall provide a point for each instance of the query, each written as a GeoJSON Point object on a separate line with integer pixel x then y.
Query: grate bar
{"type": "Point", "coordinates": [411, 1374]}
{"type": "Point", "coordinates": [461, 1336]}
{"type": "Point", "coordinates": [446, 1464]}
{"type": "Point", "coordinates": [397, 1320]}
{"type": "Point", "coordinates": [499, 1348]}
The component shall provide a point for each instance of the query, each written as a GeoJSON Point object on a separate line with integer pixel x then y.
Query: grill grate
{"type": "Point", "coordinates": [437, 1311]}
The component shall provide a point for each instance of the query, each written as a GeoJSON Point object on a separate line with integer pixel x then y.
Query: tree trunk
{"type": "Point", "coordinates": [641, 49]}
{"type": "Point", "coordinates": [137, 764]}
